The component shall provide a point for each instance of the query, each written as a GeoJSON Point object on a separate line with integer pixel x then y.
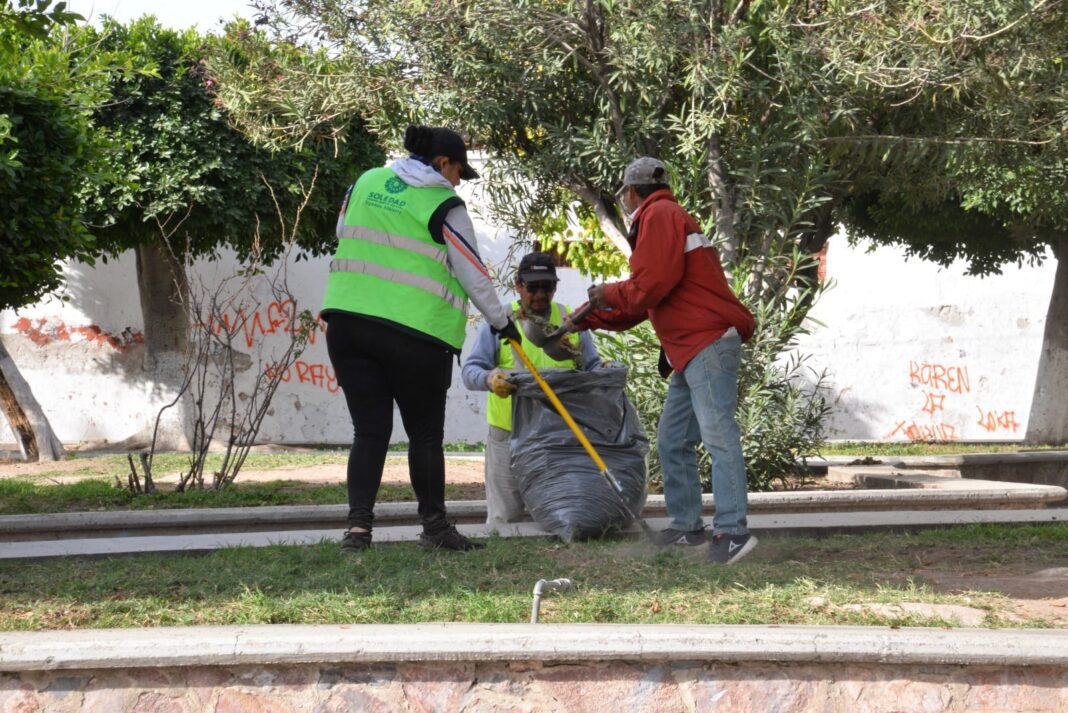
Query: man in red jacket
{"type": "Point", "coordinates": [677, 282]}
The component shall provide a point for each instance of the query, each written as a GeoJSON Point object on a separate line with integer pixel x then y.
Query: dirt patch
{"type": "Point", "coordinates": [20, 469]}
{"type": "Point", "coordinates": [457, 470]}
{"type": "Point", "coordinates": [396, 471]}
{"type": "Point", "coordinates": [1041, 593]}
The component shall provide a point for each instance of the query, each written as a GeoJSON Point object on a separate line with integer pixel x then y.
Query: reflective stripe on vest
{"type": "Point", "coordinates": [358, 232]}
{"type": "Point", "coordinates": [388, 265]}
{"type": "Point", "coordinates": [498, 410]}
{"type": "Point", "coordinates": [404, 278]}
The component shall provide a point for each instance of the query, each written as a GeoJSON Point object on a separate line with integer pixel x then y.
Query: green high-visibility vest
{"type": "Point", "coordinates": [388, 265]}
{"type": "Point", "coordinates": [499, 410]}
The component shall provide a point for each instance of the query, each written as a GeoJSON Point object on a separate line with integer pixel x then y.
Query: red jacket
{"type": "Point", "coordinates": [676, 281]}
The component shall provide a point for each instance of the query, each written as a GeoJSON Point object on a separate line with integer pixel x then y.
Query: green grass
{"type": "Point", "coordinates": [21, 497]}
{"type": "Point", "coordinates": [616, 582]}
{"type": "Point", "coordinates": [857, 448]}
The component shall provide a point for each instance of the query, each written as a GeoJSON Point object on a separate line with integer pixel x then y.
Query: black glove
{"type": "Point", "coordinates": [508, 331]}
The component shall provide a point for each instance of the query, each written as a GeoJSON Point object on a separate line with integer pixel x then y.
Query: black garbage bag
{"type": "Point", "coordinates": [562, 487]}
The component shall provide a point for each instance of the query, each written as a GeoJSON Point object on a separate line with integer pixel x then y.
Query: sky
{"type": "Point", "coordinates": [177, 14]}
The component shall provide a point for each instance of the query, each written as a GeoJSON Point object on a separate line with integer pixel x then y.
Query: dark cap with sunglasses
{"type": "Point", "coordinates": [537, 267]}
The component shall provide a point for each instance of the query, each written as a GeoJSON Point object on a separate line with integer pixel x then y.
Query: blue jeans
{"type": "Point", "coordinates": [700, 406]}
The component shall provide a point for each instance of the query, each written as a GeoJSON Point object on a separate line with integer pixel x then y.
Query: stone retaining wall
{"type": "Point", "coordinates": [518, 667]}
{"type": "Point", "coordinates": [608, 687]}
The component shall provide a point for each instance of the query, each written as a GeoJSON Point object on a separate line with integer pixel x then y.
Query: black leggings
{"type": "Point", "coordinates": [376, 365]}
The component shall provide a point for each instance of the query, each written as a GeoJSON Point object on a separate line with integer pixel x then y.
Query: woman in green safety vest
{"type": "Point", "coordinates": [395, 306]}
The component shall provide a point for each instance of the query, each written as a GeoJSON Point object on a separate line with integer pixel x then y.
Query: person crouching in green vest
{"type": "Point", "coordinates": [486, 369]}
{"type": "Point", "coordinates": [396, 311]}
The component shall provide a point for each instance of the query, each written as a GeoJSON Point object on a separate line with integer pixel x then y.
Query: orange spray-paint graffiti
{"type": "Point", "coordinates": [272, 318]}
{"type": "Point", "coordinates": [946, 390]}
{"type": "Point", "coordinates": [994, 421]}
{"type": "Point", "coordinates": [43, 332]}
{"type": "Point", "coordinates": [302, 372]}
{"type": "Point", "coordinates": [925, 431]}
{"type": "Point", "coordinates": [952, 379]}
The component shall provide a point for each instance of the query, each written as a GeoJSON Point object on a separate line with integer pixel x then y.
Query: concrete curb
{"type": "Point", "coordinates": [911, 491]}
{"type": "Point", "coordinates": [943, 461]}
{"type": "Point", "coordinates": [807, 523]}
{"type": "Point", "coordinates": [548, 643]}
{"type": "Point", "coordinates": [947, 461]}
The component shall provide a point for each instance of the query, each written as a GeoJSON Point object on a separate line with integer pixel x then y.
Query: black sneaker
{"type": "Point", "coordinates": [680, 538]}
{"type": "Point", "coordinates": [728, 549]}
{"type": "Point", "coordinates": [448, 538]}
{"type": "Point", "coordinates": [355, 541]}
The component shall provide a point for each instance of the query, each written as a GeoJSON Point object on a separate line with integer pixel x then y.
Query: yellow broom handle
{"type": "Point", "coordinates": [559, 406]}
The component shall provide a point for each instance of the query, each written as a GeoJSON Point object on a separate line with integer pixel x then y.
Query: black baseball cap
{"type": "Point", "coordinates": [431, 141]}
{"type": "Point", "coordinates": [537, 267]}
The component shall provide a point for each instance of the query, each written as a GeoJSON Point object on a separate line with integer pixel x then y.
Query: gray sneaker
{"type": "Point", "coordinates": [680, 538]}
{"type": "Point", "coordinates": [728, 549]}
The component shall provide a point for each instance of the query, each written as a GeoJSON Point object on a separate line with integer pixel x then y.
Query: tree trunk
{"type": "Point", "coordinates": [163, 288]}
{"type": "Point", "coordinates": [1048, 422]}
{"type": "Point", "coordinates": [723, 189]}
{"type": "Point", "coordinates": [28, 422]}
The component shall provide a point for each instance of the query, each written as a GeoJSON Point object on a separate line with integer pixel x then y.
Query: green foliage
{"type": "Point", "coordinates": [31, 19]}
{"type": "Point", "coordinates": [194, 178]}
{"type": "Point", "coordinates": [968, 155]}
{"type": "Point", "coordinates": [48, 153]}
{"type": "Point", "coordinates": [576, 236]}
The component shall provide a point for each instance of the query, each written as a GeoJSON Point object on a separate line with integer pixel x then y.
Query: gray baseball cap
{"type": "Point", "coordinates": [645, 171]}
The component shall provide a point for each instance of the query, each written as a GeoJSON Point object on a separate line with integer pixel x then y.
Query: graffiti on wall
{"type": "Point", "coordinates": [43, 332]}
{"type": "Point", "coordinates": [945, 392]}
{"type": "Point", "coordinates": [271, 318]}
{"type": "Point", "coordinates": [276, 319]}
{"type": "Point", "coordinates": [301, 372]}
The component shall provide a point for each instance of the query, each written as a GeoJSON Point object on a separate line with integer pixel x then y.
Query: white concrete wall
{"type": "Point", "coordinates": [916, 352]}
{"type": "Point", "coordinates": [912, 351]}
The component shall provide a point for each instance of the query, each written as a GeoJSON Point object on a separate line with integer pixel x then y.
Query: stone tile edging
{"type": "Point", "coordinates": [167, 647]}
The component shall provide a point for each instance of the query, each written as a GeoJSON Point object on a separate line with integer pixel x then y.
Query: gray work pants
{"type": "Point", "coordinates": [503, 501]}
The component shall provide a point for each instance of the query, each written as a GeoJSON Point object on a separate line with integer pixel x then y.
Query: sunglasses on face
{"type": "Point", "coordinates": [540, 286]}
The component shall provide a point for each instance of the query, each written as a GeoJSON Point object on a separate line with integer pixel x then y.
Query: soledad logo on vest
{"type": "Point", "coordinates": [395, 185]}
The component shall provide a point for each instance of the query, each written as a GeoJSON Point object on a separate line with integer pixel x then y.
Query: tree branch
{"type": "Point", "coordinates": [605, 218]}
